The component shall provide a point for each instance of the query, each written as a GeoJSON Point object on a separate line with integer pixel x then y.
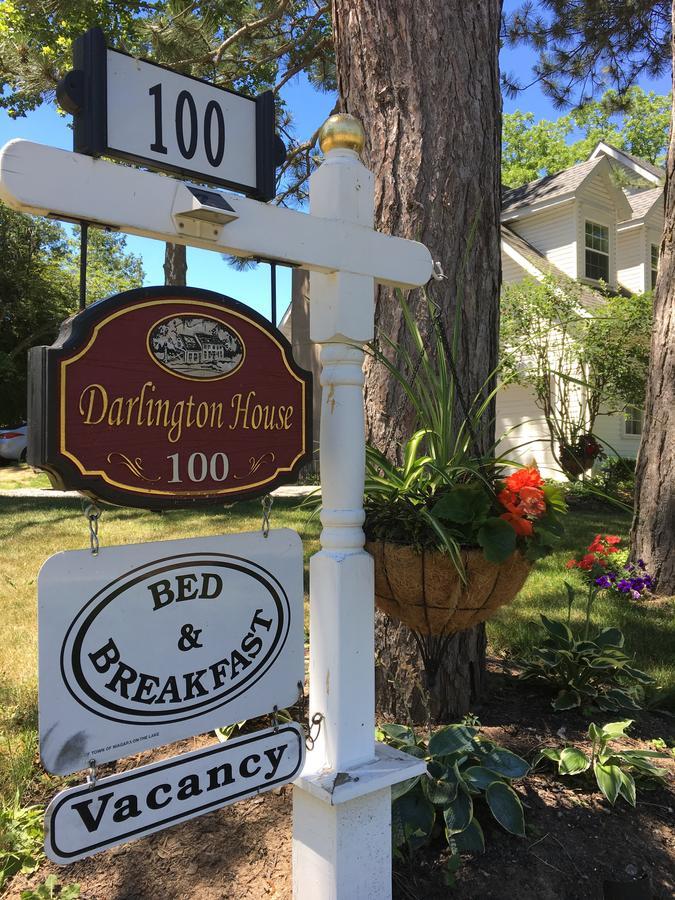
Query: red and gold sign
{"type": "Point", "coordinates": [166, 397]}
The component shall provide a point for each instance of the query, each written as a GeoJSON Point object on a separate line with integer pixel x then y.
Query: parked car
{"type": "Point", "coordinates": [13, 443]}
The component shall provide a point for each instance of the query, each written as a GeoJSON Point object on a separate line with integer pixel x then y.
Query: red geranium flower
{"type": "Point", "coordinates": [520, 525]}
{"type": "Point", "coordinates": [532, 501]}
{"type": "Point", "coordinates": [508, 500]}
{"type": "Point", "coordinates": [524, 478]}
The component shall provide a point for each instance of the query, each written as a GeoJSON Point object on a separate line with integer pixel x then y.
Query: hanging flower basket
{"type": "Point", "coordinates": [578, 458]}
{"type": "Point", "coordinates": [424, 590]}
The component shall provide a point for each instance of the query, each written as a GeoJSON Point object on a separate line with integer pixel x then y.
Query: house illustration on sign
{"type": "Point", "coordinates": [198, 347]}
{"type": "Point", "coordinates": [202, 348]}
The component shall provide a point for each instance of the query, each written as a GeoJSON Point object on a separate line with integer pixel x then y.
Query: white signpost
{"type": "Point", "coordinates": [146, 644]}
{"type": "Point", "coordinates": [120, 808]}
{"type": "Point", "coordinates": [342, 809]}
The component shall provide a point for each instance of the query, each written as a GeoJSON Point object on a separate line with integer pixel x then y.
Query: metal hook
{"type": "Point", "coordinates": [91, 777]}
{"type": "Point", "coordinates": [311, 739]}
{"type": "Point", "coordinates": [437, 272]}
{"type": "Point", "coordinates": [275, 718]}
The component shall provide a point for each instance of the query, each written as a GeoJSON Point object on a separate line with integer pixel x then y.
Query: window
{"type": "Point", "coordinates": [633, 422]}
{"type": "Point", "coordinates": [597, 251]}
{"type": "Point", "coordinates": [655, 263]}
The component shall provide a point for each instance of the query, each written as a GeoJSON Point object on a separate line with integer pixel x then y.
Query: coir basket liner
{"type": "Point", "coordinates": [425, 592]}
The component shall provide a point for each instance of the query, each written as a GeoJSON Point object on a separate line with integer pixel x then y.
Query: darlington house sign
{"type": "Point", "coordinates": [165, 397]}
{"type": "Point", "coordinates": [143, 645]}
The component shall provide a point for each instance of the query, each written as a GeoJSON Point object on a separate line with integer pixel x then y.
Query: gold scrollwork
{"type": "Point", "coordinates": [255, 464]}
{"type": "Point", "coordinates": [134, 465]}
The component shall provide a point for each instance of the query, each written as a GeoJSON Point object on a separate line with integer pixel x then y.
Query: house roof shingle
{"type": "Point", "coordinates": [548, 187]}
{"type": "Point", "coordinates": [590, 298]}
{"type": "Point", "coordinates": [642, 201]}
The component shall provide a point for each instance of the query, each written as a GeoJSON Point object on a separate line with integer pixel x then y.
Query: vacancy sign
{"type": "Point", "coordinates": [146, 644]}
{"type": "Point", "coordinates": [89, 818]}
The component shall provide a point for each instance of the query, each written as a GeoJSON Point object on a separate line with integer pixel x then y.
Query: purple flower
{"type": "Point", "coordinates": [641, 563]}
{"type": "Point", "coordinates": [623, 586]}
{"type": "Point", "coordinates": [635, 595]}
{"type": "Point", "coordinates": [603, 581]}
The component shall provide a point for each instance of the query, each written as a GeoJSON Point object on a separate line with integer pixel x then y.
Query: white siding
{"type": "Point", "coordinates": [522, 422]}
{"type": "Point", "coordinates": [633, 261]}
{"type": "Point", "coordinates": [611, 429]}
{"type": "Point", "coordinates": [511, 271]}
{"type": "Point", "coordinates": [596, 204]}
{"type": "Point", "coordinates": [553, 233]}
{"type": "Point", "coordinates": [596, 191]}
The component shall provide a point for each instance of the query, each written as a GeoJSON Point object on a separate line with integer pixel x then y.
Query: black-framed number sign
{"type": "Point", "coordinates": [135, 110]}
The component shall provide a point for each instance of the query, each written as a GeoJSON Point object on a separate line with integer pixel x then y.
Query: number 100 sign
{"type": "Point", "coordinates": [135, 110]}
{"type": "Point", "coordinates": [167, 397]}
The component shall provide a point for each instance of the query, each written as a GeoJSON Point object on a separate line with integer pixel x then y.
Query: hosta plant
{"type": "Point", "coordinates": [466, 775]}
{"type": "Point", "coordinates": [615, 771]}
{"type": "Point", "coordinates": [595, 672]}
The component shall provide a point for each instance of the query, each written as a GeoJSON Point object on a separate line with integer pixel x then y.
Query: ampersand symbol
{"type": "Point", "coordinates": [189, 638]}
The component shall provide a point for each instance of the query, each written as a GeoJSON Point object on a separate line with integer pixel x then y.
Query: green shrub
{"type": "Point", "coordinates": [50, 889]}
{"type": "Point", "coordinates": [593, 672]}
{"type": "Point", "coordinates": [20, 839]}
{"type": "Point", "coordinates": [464, 772]}
{"type": "Point", "coordinates": [615, 771]}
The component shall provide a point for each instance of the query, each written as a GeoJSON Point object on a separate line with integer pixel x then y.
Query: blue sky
{"type": "Point", "coordinates": [207, 269]}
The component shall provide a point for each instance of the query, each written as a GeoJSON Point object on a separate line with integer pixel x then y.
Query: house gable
{"type": "Point", "coordinates": [551, 214]}
{"type": "Point", "coordinates": [647, 171]}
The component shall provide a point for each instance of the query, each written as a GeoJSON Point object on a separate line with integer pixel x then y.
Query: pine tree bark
{"type": "Point", "coordinates": [423, 77]}
{"type": "Point", "coordinates": [653, 531]}
{"type": "Point", "coordinates": [175, 264]}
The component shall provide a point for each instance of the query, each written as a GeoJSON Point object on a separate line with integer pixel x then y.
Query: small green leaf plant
{"type": "Point", "coordinates": [464, 773]}
{"type": "Point", "coordinates": [21, 839]}
{"type": "Point", "coordinates": [589, 673]}
{"type": "Point", "coordinates": [50, 889]}
{"type": "Point", "coordinates": [616, 771]}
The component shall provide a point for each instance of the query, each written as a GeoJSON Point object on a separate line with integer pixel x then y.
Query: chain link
{"type": "Point", "coordinates": [317, 719]}
{"type": "Point", "coordinates": [267, 502]}
{"type": "Point", "coordinates": [92, 514]}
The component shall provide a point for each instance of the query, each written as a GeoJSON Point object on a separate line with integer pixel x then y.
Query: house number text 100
{"type": "Point", "coordinates": [187, 133]}
{"type": "Point", "coordinates": [198, 467]}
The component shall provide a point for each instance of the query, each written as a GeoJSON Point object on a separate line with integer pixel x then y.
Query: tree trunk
{"type": "Point", "coordinates": [423, 77]}
{"type": "Point", "coordinates": [406, 693]}
{"type": "Point", "coordinates": [175, 264]}
{"type": "Point", "coordinates": [653, 531]}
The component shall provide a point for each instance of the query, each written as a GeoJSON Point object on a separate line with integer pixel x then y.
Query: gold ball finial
{"type": "Point", "coordinates": [342, 132]}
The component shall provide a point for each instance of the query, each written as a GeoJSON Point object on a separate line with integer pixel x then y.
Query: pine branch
{"type": "Point", "coordinates": [302, 63]}
{"type": "Point", "coordinates": [249, 28]}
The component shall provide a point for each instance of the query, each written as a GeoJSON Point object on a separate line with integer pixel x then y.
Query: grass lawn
{"type": "Point", "coordinates": [33, 529]}
{"type": "Point", "coordinates": [20, 475]}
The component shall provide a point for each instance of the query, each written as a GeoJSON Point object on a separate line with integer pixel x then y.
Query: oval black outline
{"type": "Point", "coordinates": [280, 598]}
{"type": "Point", "coordinates": [225, 325]}
{"type": "Point", "coordinates": [293, 728]}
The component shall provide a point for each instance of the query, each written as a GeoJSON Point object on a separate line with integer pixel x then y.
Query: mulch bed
{"type": "Point", "coordinates": [575, 841]}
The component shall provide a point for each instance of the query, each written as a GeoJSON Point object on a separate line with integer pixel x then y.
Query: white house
{"type": "Point", "coordinates": [579, 223]}
{"type": "Point", "coordinates": [600, 220]}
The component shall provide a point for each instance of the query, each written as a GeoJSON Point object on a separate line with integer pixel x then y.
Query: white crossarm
{"type": "Point", "coordinates": [44, 180]}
